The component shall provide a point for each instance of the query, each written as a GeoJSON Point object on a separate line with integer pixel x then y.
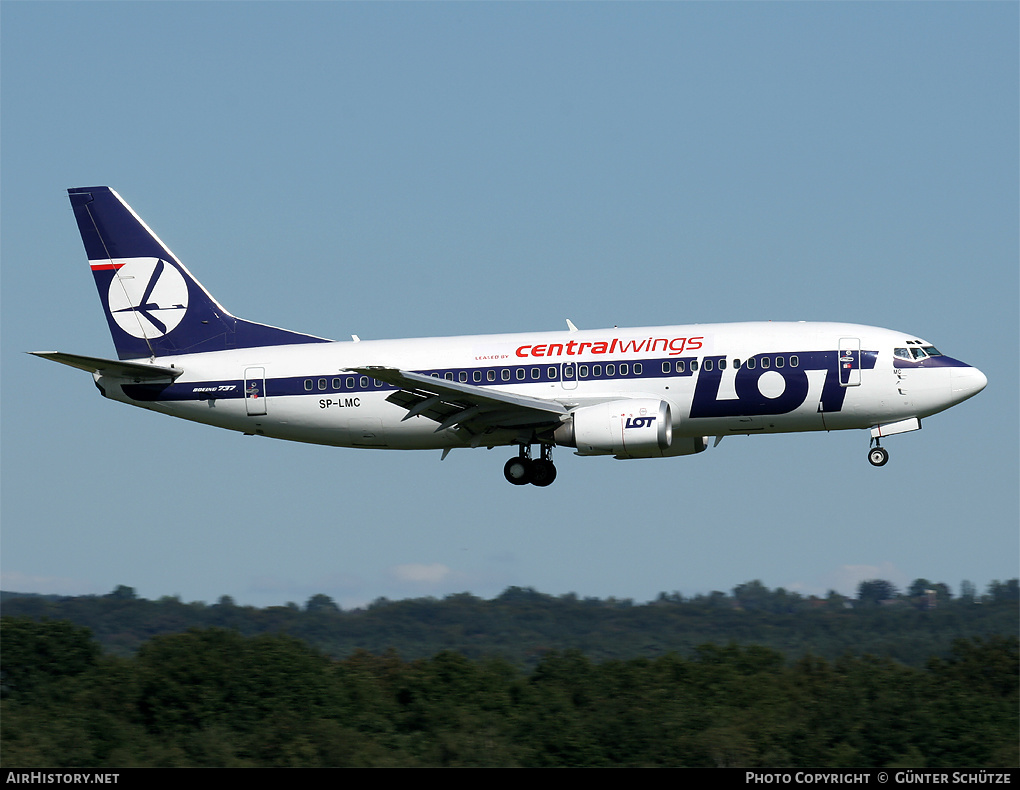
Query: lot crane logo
{"type": "Point", "coordinates": [148, 297]}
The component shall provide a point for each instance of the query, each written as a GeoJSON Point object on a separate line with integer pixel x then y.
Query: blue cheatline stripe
{"type": "Point", "coordinates": [228, 389]}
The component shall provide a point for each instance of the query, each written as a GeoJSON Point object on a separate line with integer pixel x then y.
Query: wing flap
{"type": "Point", "coordinates": [454, 403]}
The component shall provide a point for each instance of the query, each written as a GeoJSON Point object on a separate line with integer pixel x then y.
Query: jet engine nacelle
{"type": "Point", "coordinates": [634, 428]}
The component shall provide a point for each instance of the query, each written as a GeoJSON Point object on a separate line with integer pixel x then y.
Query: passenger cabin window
{"type": "Point", "coordinates": [638, 368]}
{"type": "Point", "coordinates": [462, 376]}
{"type": "Point", "coordinates": [751, 363]}
{"type": "Point", "coordinates": [476, 375]}
{"type": "Point", "coordinates": [708, 364]}
{"type": "Point", "coordinates": [679, 366]}
{"type": "Point", "coordinates": [308, 385]}
{"type": "Point", "coordinates": [490, 375]}
{"type": "Point", "coordinates": [610, 370]}
{"type": "Point", "coordinates": [694, 366]}
{"type": "Point", "coordinates": [505, 374]}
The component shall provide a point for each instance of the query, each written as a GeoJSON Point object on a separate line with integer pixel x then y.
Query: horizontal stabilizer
{"type": "Point", "coordinates": [138, 371]}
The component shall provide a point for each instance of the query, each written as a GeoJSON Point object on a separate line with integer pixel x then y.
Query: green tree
{"type": "Point", "coordinates": [874, 591]}
{"type": "Point", "coordinates": [968, 592]}
{"type": "Point", "coordinates": [37, 653]}
{"type": "Point", "coordinates": [123, 593]}
{"type": "Point", "coordinates": [1001, 592]}
{"type": "Point", "coordinates": [321, 603]}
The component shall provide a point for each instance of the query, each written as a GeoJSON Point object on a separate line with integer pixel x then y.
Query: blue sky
{"type": "Point", "coordinates": [401, 170]}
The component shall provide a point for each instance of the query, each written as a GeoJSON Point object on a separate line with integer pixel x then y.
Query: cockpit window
{"type": "Point", "coordinates": [932, 351]}
{"type": "Point", "coordinates": [918, 352]}
{"type": "Point", "coordinates": [901, 353]}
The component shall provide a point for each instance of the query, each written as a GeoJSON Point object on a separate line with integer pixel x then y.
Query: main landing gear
{"type": "Point", "coordinates": [524, 469]}
{"type": "Point", "coordinates": [878, 455]}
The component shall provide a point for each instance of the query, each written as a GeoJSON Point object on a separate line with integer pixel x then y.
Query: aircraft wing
{"type": "Point", "coordinates": [452, 403]}
{"type": "Point", "coordinates": [138, 371]}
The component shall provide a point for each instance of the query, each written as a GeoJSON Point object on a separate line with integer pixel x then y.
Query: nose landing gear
{"type": "Point", "coordinates": [524, 469]}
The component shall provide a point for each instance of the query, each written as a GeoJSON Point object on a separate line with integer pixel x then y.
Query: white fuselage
{"type": "Point", "coordinates": [718, 379]}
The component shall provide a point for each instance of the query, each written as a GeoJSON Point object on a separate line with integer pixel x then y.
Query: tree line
{"type": "Point", "coordinates": [212, 697]}
{"type": "Point", "coordinates": [522, 625]}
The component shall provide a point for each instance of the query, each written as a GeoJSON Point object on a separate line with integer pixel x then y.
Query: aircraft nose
{"type": "Point", "coordinates": [967, 382]}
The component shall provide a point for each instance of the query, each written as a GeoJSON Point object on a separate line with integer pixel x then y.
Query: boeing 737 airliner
{"type": "Point", "coordinates": [629, 393]}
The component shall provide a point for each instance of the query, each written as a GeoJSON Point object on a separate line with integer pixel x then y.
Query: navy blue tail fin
{"type": "Point", "coordinates": [152, 303]}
